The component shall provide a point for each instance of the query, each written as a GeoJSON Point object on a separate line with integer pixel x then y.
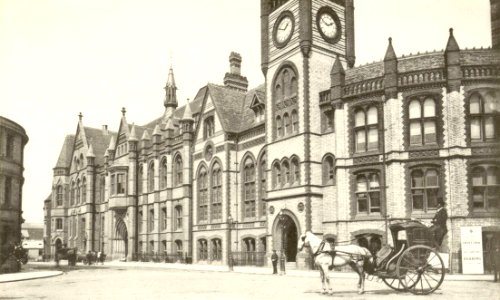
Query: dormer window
{"type": "Point", "coordinates": [259, 108]}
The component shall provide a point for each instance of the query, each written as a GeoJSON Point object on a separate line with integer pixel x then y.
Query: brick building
{"type": "Point", "coordinates": [322, 145]}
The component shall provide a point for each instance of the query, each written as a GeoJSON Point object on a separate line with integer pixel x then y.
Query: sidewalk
{"type": "Point", "coordinates": [206, 268]}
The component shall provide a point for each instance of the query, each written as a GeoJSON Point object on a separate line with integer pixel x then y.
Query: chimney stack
{"type": "Point", "coordinates": [233, 79]}
{"type": "Point", "coordinates": [105, 130]}
{"type": "Point", "coordinates": [495, 23]}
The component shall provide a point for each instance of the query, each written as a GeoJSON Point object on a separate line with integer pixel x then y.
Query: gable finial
{"type": "Point", "coordinates": [80, 116]}
{"type": "Point", "coordinates": [123, 111]}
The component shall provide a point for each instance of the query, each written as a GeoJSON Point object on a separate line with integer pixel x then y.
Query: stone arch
{"type": "Point", "coordinates": [286, 230]}
{"type": "Point", "coordinates": [120, 245]}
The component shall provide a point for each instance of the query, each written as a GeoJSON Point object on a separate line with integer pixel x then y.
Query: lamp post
{"type": "Point", "coordinates": [229, 255]}
{"type": "Point", "coordinates": [282, 219]}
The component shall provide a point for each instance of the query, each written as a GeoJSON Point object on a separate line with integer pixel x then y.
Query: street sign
{"type": "Point", "coordinates": [472, 250]}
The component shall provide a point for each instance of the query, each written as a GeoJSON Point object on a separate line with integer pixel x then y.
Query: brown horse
{"type": "Point", "coordinates": [326, 258]}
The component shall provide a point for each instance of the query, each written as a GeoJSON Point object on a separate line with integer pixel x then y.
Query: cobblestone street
{"type": "Point", "coordinates": [146, 283]}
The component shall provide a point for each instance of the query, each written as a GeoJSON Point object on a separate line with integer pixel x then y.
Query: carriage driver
{"type": "Point", "coordinates": [438, 227]}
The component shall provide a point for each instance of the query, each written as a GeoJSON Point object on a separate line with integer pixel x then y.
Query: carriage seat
{"type": "Point", "coordinates": [383, 254]}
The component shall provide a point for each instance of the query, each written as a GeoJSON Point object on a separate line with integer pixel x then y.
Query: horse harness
{"type": "Point", "coordinates": [333, 252]}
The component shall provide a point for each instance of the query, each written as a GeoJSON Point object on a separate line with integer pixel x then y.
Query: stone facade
{"type": "Point", "coordinates": [323, 146]}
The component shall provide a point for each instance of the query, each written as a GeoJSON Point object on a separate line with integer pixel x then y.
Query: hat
{"type": "Point", "coordinates": [440, 201]}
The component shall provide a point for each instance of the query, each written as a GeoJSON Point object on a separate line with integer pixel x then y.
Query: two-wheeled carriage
{"type": "Point", "coordinates": [412, 264]}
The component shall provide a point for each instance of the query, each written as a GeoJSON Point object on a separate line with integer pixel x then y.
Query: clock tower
{"type": "Point", "coordinates": [300, 42]}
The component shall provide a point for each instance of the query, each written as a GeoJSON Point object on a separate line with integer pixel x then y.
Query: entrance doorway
{"type": "Point", "coordinates": [286, 237]}
{"type": "Point", "coordinates": [121, 238]}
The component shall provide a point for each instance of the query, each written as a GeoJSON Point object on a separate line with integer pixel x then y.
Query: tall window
{"type": "Point", "coordinates": [113, 184]}
{"type": "Point", "coordinates": [140, 180]}
{"type": "Point", "coordinates": [178, 170]}
{"type": "Point", "coordinates": [203, 195]}
{"type": "Point", "coordinates": [279, 126]}
{"type": "Point", "coordinates": [216, 209]}
{"type": "Point", "coordinates": [276, 175]}
{"type": "Point", "coordinates": [249, 244]}
{"type": "Point", "coordinates": [422, 113]}
{"type": "Point", "coordinates": [151, 219]}
{"type": "Point", "coordinates": [327, 117]}
{"type": "Point", "coordinates": [288, 125]}
{"type": "Point", "coordinates": [73, 192]}
{"type": "Point", "coordinates": [9, 147]}
{"type": "Point", "coordinates": [163, 220]}
{"type": "Point", "coordinates": [163, 173]}
{"type": "Point", "coordinates": [59, 197]}
{"type": "Point", "coordinates": [102, 189]}
{"type": "Point", "coordinates": [178, 247]}
{"type": "Point", "coordinates": [78, 190]}
{"type": "Point", "coordinates": [139, 220]}
{"type": "Point", "coordinates": [285, 173]}
{"type": "Point", "coordinates": [424, 188]}
{"type": "Point", "coordinates": [295, 121]}
{"type": "Point", "coordinates": [484, 117]}
{"type": "Point", "coordinates": [329, 170]}
{"type": "Point", "coordinates": [295, 171]}
{"type": "Point", "coordinates": [178, 217]}
{"type": "Point", "coordinates": [486, 187]}
{"type": "Point", "coordinates": [59, 224]}
{"type": "Point", "coordinates": [202, 249]}
{"type": "Point", "coordinates": [151, 178]}
{"type": "Point", "coordinates": [368, 192]}
{"type": "Point", "coordinates": [84, 190]}
{"type": "Point", "coordinates": [120, 183]}
{"type": "Point", "coordinates": [366, 129]}
{"type": "Point", "coordinates": [263, 187]}
{"type": "Point", "coordinates": [216, 249]}
{"type": "Point", "coordinates": [249, 193]}
{"type": "Point", "coordinates": [209, 128]}
{"type": "Point", "coordinates": [7, 190]}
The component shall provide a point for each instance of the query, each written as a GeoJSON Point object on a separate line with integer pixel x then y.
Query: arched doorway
{"type": "Point", "coordinates": [58, 244]}
{"type": "Point", "coordinates": [286, 236]}
{"type": "Point", "coordinates": [121, 238]}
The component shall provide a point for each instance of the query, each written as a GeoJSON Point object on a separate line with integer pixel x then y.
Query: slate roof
{"type": "Point", "coordinates": [247, 119]}
{"type": "Point", "coordinates": [99, 141]}
{"type": "Point", "coordinates": [66, 153]}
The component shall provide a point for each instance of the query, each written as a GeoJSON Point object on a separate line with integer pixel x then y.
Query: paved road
{"type": "Point", "coordinates": [136, 283]}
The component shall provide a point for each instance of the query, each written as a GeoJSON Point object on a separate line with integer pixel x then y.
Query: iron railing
{"type": "Point", "coordinates": [162, 257]}
{"type": "Point", "coordinates": [253, 258]}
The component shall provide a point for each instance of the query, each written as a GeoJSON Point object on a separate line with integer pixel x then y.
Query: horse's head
{"type": "Point", "coordinates": [303, 242]}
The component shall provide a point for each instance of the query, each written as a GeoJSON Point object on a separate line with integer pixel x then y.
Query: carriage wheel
{"type": "Point", "coordinates": [420, 269]}
{"type": "Point", "coordinates": [394, 283]}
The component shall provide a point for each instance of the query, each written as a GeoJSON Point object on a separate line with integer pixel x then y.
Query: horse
{"type": "Point", "coordinates": [325, 258]}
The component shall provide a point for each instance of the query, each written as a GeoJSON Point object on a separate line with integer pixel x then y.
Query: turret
{"type": "Point", "coordinates": [145, 143]}
{"type": "Point", "coordinates": [452, 62]}
{"type": "Point", "coordinates": [170, 102]}
{"type": "Point", "coordinates": [187, 122]}
{"type": "Point", "coordinates": [390, 71]}
{"type": "Point", "coordinates": [337, 81]}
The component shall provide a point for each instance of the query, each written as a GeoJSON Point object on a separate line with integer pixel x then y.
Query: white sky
{"type": "Point", "coordinates": [62, 57]}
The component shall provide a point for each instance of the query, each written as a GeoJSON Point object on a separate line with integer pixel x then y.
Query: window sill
{"type": "Point", "coordinates": [367, 153]}
{"type": "Point", "coordinates": [368, 217]}
{"type": "Point", "coordinates": [433, 146]}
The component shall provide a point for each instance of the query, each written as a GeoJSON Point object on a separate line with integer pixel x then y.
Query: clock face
{"type": "Point", "coordinates": [328, 24]}
{"type": "Point", "coordinates": [283, 29]}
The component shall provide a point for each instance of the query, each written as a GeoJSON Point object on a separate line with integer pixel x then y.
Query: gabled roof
{"type": "Point", "coordinates": [99, 141]}
{"type": "Point", "coordinates": [65, 156]}
{"type": "Point", "coordinates": [247, 115]}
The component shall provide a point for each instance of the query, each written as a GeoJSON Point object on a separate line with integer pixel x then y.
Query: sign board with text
{"type": "Point", "coordinates": [472, 250]}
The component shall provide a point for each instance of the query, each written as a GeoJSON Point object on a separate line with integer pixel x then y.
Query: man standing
{"type": "Point", "coordinates": [438, 228]}
{"type": "Point", "coordinates": [274, 260]}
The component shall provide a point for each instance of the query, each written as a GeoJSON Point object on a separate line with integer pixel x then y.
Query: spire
{"type": "Point", "coordinates": [452, 44]}
{"type": "Point", "coordinates": [170, 90]}
{"type": "Point", "coordinates": [188, 115]}
{"type": "Point", "coordinates": [145, 136]}
{"type": "Point", "coordinates": [169, 125]}
{"type": "Point", "coordinates": [90, 152]}
{"type": "Point", "coordinates": [337, 67]}
{"type": "Point", "coordinates": [112, 143]}
{"type": "Point", "coordinates": [132, 137]}
{"type": "Point", "coordinates": [390, 54]}
{"type": "Point", "coordinates": [156, 131]}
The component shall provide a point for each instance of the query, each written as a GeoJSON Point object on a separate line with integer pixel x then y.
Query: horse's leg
{"type": "Point", "coordinates": [361, 281]}
{"type": "Point", "coordinates": [322, 276]}
{"type": "Point", "coordinates": [327, 279]}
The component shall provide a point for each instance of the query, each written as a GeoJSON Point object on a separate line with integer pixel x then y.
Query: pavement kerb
{"type": "Point", "coordinates": [10, 277]}
{"type": "Point", "coordinates": [262, 270]}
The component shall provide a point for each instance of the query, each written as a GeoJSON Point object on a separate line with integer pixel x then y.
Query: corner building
{"type": "Point", "coordinates": [323, 145]}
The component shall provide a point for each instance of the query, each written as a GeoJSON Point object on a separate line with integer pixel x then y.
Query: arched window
{"type": "Point", "coordinates": [249, 188]}
{"type": "Point", "coordinates": [216, 207]}
{"type": "Point", "coordinates": [327, 120]}
{"type": "Point", "coordinates": [288, 126]}
{"type": "Point", "coordinates": [163, 173]}
{"type": "Point", "coordinates": [178, 170]}
{"type": "Point", "coordinates": [279, 126]}
{"type": "Point", "coordinates": [484, 117]}
{"type": "Point", "coordinates": [368, 192]}
{"type": "Point", "coordinates": [84, 190]}
{"type": "Point", "coordinates": [209, 127]}
{"type": "Point", "coordinates": [329, 170]}
{"type": "Point", "coordinates": [151, 219]}
{"type": "Point", "coordinates": [178, 217]}
{"type": "Point", "coordinates": [263, 186]}
{"type": "Point", "coordinates": [151, 177]}
{"type": "Point", "coordinates": [178, 248]}
{"type": "Point", "coordinates": [424, 188]}
{"type": "Point", "coordinates": [140, 180]}
{"type": "Point", "coordinates": [249, 244]}
{"type": "Point", "coordinates": [276, 175]}
{"type": "Point", "coordinates": [295, 171]}
{"type": "Point", "coordinates": [486, 187]}
{"type": "Point", "coordinates": [59, 195]}
{"type": "Point", "coordinates": [366, 129]}
{"type": "Point", "coordinates": [216, 250]}
{"type": "Point", "coordinates": [202, 195]}
{"type": "Point", "coordinates": [295, 121]}
{"type": "Point", "coordinates": [372, 242]}
{"type": "Point", "coordinates": [422, 114]}
{"type": "Point", "coordinates": [73, 193]}
{"type": "Point", "coordinates": [163, 218]}
{"type": "Point", "coordinates": [285, 167]}
{"type": "Point", "coordinates": [139, 220]}
{"type": "Point", "coordinates": [78, 190]}
{"type": "Point", "coordinates": [202, 249]}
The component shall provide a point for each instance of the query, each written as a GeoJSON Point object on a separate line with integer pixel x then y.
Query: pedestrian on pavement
{"type": "Point", "coordinates": [438, 227]}
{"type": "Point", "coordinates": [274, 260]}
